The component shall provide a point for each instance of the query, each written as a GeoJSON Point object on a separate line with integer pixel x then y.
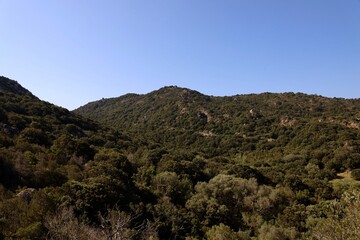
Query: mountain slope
{"type": "Point", "coordinates": [50, 157]}
{"type": "Point", "coordinates": [244, 167]}
{"type": "Point", "coordinates": [178, 117]}
{"type": "Point", "coordinates": [10, 86]}
{"type": "Point", "coordinates": [185, 101]}
{"type": "Point", "coordinates": [42, 132]}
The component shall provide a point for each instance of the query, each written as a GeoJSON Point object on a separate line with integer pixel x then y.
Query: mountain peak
{"type": "Point", "coordinates": [10, 86]}
{"type": "Point", "coordinates": [174, 90]}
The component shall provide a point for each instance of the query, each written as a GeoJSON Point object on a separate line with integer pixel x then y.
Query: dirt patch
{"type": "Point", "coordinates": [345, 175]}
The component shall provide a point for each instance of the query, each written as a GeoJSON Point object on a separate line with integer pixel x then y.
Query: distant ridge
{"type": "Point", "coordinates": [173, 101]}
{"type": "Point", "coordinates": [180, 117]}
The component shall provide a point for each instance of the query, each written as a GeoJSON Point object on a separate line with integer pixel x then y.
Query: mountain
{"type": "Point", "coordinates": [122, 111]}
{"type": "Point", "coordinates": [51, 157]}
{"type": "Point", "coordinates": [177, 164]}
{"type": "Point", "coordinates": [302, 150]}
{"type": "Point", "coordinates": [182, 118]}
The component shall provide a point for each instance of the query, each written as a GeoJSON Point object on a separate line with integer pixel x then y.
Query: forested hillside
{"type": "Point", "coordinates": [260, 165]}
{"type": "Point", "coordinates": [176, 164]}
{"type": "Point", "coordinates": [57, 168]}
{"type": "Point", "coordinates": [250, 127]}
{"type": "Point", "coordinates": [290, 144]}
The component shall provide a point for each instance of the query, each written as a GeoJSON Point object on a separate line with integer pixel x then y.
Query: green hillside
{"type": "Point", "coordinates": [294, 143]}
{"type": "Point", "coordinates": [177, 164]}
{"type": "Point", "coordinates": [256, 125]}
{"type": "Point", "coordinates": [52, 159]}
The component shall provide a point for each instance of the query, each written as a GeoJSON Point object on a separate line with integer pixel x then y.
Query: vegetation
{"type": "Point", "coordinates": [176, 164]}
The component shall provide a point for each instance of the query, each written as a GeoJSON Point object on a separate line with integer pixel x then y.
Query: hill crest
{"type": "Point", "coordinates": [177, 116]}
{"type": "Point", "coordinates": [11, 86]}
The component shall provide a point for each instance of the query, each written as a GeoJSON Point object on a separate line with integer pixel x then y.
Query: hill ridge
{"type": "Point", "coordinates": [180, 117]}
{"type": "Point", "coordinates": [11, 86]}
{"type": "Point", "coordinates": [182, 97]}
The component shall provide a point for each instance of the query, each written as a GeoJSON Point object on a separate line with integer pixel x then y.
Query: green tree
{"type": "Point", "coordinates": [271, 232]}
{"type": "Point", "coordinates": [222, 232]}
{"type": "Point", "coordinates": [169, 184]}
{"type": "Point", "coordinates": [342, 221]}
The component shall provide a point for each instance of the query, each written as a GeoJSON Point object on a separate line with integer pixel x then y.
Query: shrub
{"type": "Point", "coordinates": [355, 173]}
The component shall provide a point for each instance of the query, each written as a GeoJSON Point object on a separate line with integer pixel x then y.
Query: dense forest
{"type": "Point", "coordinates": [177, 164]}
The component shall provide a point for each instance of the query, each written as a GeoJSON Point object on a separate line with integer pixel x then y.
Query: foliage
{"type": "Point", "coordinates": [176, 164]}
{"type": "Point", "coordinates": [342, 219]}
{"type": "Point", "coordinates": [355, 173]}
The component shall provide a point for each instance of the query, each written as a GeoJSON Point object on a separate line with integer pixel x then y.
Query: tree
{"type": "Point", "coordinates": [169, 184]}
{"type": "Point", "coordinates": [221, 200]}
{"type": "Point", "coordinates": [271, 232]}
{"type": "Point", "coordinates": [223, 232]}
{"type": "Point", "coordinates": [119, 225]}
{"type": "Point", "coordinates": [64, 225]}
{"type": "Point", "coordinates": [342, 221]}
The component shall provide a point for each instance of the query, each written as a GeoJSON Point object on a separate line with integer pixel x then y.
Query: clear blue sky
{"type": "Point", "coordinates": [70, 52]}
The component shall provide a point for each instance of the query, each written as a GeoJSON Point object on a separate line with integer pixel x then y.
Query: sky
{"type": "Point", "coordinates": [71, 52]}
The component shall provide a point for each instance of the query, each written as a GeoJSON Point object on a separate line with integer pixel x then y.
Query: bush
{"type": "Point", "coordinates": [221, 232]}
{"type": "Point", "coordinates": [355, 174]}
